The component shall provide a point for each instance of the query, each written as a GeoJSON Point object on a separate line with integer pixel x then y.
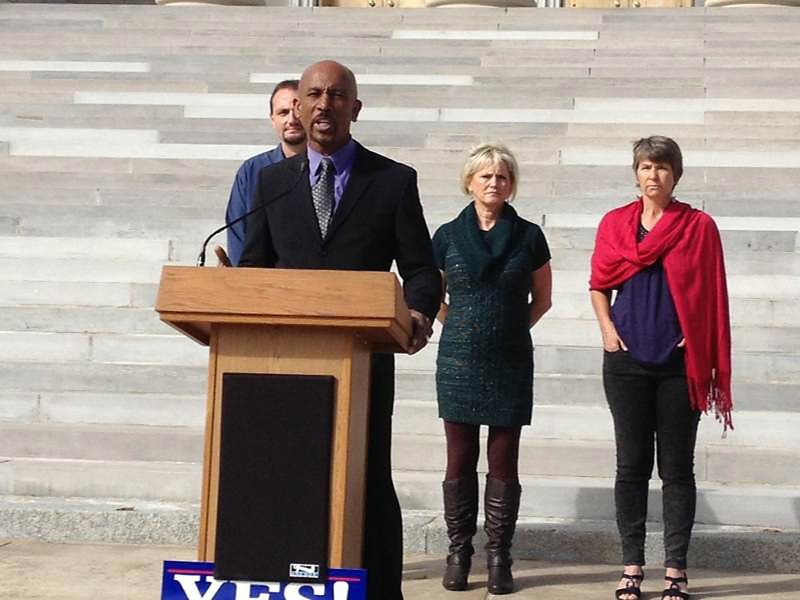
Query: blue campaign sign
{"type": "Point", "coordinates": [195, 581]}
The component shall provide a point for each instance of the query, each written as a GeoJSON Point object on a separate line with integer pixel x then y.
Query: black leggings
{"type": "Point", "coordinates": [650, 406]}
{"type": "Point", "coordinates": [463, 450]}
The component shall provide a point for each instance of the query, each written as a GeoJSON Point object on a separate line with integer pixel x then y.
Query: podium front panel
{"type": "Point", "coordinates": [274, 477]}
{"type": "Point", "coordinates": [315, 351]}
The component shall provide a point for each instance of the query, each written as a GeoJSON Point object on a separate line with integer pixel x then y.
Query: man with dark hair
{"type": "Point", "coordinates": [341, 206]}
{"type": "Point", "coordinates": [292, 141]}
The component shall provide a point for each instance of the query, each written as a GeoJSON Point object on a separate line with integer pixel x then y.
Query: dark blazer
{"type": "Point", "coordinates": [379, 220]}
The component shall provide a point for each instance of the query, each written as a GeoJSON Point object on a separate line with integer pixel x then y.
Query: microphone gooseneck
{"type": "Point", "coordinates": [201, 258]}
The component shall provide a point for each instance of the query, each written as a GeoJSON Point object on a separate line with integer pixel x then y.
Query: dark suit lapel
{"type": "Point", "coordinates": [357, 186]}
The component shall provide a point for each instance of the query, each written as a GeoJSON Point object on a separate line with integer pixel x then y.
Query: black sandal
{"type": "Point", "coordinates": [632, 588]}
{"type": "Point", "coordinates": [674, 590]}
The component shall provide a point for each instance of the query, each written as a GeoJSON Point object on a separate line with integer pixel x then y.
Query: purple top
{"type": "Point", "coordinates": [343, 161]}
{"type": "Point", "coordinates": [644, 314]}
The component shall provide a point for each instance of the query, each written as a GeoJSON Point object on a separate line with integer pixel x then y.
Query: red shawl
{"type": "Point", "coordinates": [688, 241]}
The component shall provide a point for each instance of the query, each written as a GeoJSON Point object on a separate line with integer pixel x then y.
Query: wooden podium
{"type": "Point", "coordinates": [302, 322]}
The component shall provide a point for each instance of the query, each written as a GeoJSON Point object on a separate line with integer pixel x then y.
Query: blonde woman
{"type": "Point", "coordinates": [496, 270]}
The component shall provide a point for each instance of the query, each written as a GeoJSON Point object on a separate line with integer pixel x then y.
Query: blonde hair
{"type": "Point", "coordinates": [485, 155]}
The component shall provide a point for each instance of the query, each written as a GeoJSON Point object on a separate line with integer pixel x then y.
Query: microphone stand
{"type": "Point", "coordinates": [201, 258]}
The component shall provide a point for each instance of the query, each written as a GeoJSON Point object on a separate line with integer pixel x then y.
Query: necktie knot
{"type": "Point", "coordinates": [326, 167]}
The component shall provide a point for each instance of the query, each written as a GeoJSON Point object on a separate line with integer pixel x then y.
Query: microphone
{"type": "Point", "coordinates": [201, 258]}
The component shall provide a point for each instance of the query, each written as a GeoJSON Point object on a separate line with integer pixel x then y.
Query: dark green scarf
{"type": "Point", "coordinates": [484, 252]}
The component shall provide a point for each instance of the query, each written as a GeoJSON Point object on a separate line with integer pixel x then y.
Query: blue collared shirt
{"type": "Point", "coordinates": [241, 198]}
{"type": "Point", "coordinates": [343, 160]}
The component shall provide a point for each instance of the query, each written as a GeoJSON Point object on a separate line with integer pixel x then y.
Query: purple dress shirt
{"type": "Point", "coordinates": [343, 161]}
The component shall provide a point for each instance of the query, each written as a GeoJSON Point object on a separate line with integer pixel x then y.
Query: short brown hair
{"type": "Point", "coordinates": [286, 84]}
{"type": "Point", "coordinates": [659, 148]}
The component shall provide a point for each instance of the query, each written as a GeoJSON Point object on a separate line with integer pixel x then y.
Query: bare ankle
{"type": "Point", "coordinates": [673, 572]}
{"type": "Point", "coordinates": [632, 569]}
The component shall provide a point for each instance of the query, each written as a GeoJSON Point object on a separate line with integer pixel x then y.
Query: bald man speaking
{"type": "Point", "coordinates": [353, 210]}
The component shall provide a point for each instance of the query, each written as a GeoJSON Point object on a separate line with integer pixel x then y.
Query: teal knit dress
{"type": "Point", "coordinates": [484, 368]}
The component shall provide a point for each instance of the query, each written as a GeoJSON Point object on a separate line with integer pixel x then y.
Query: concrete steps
{"type": "Point", "coordinates": [575, 360]}
{"type": "Point", "coordinates": [175, 482]}
{"type": "Point", "coordinates": [564, 442]}
{"type": "Point", "coordinates": [142, 522]}
{"type": "Point", "coordinates": [769, 365]}
{"type": "Point", "coordinates": [121, 128]}
{"type": "Point", "coordinates": [563, 328]}
{"type": "Point", "coordinates": [592, 498]}
{"type": "Point", "coordinates": [92, 392]}
{"type": "Point", "coordinates": [86, 319]}
{"type": "Point", "coordinates": [545, 497]}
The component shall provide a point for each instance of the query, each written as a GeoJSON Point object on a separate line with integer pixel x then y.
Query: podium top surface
{"type": "Point", "coordinates": [192, 299]}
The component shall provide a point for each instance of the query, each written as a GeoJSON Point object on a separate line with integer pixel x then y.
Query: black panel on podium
{"type": "Point", "coordinates": [274, 481]}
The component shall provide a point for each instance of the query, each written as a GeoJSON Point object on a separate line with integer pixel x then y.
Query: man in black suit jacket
{"type": "Point", "coordinates": [376, 220]}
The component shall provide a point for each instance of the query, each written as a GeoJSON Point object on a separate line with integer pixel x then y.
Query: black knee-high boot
{"type": "Point", "coordinates": [460, 515]}
{"type": "Point", "coordinates": [501, 505]}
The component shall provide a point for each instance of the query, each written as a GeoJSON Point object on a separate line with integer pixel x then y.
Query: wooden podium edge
{"type": "Point", "coordinates": [191, 299]}
{"type": "Point", "coordinates": [387, 334]}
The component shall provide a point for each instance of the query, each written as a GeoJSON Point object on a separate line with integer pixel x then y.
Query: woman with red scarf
{"type": "Point", "coordinates": [667, 353]}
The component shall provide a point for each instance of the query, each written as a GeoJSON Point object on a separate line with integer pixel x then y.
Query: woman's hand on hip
{"type": "Point", "coordinates": [611, 340]}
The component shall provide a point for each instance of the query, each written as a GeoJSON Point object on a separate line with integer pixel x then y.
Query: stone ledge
{"type": "Point", "coordinates": [750, 3]}
{"type": "Point", "coordinates": [145, 522]}
{"type": "Point", "coordinates": [482, 3]}
{"type": "Point", "coordinates": [210, 2]}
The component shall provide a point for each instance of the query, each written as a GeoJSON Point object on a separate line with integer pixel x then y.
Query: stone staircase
{"type": "Point", "coordinates": [121, 128]}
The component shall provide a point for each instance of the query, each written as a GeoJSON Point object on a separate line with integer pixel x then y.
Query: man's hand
{"type": "Point", "coordinates": [222, 257]}
{"type": "Point", "coordinates": [421, 332]}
